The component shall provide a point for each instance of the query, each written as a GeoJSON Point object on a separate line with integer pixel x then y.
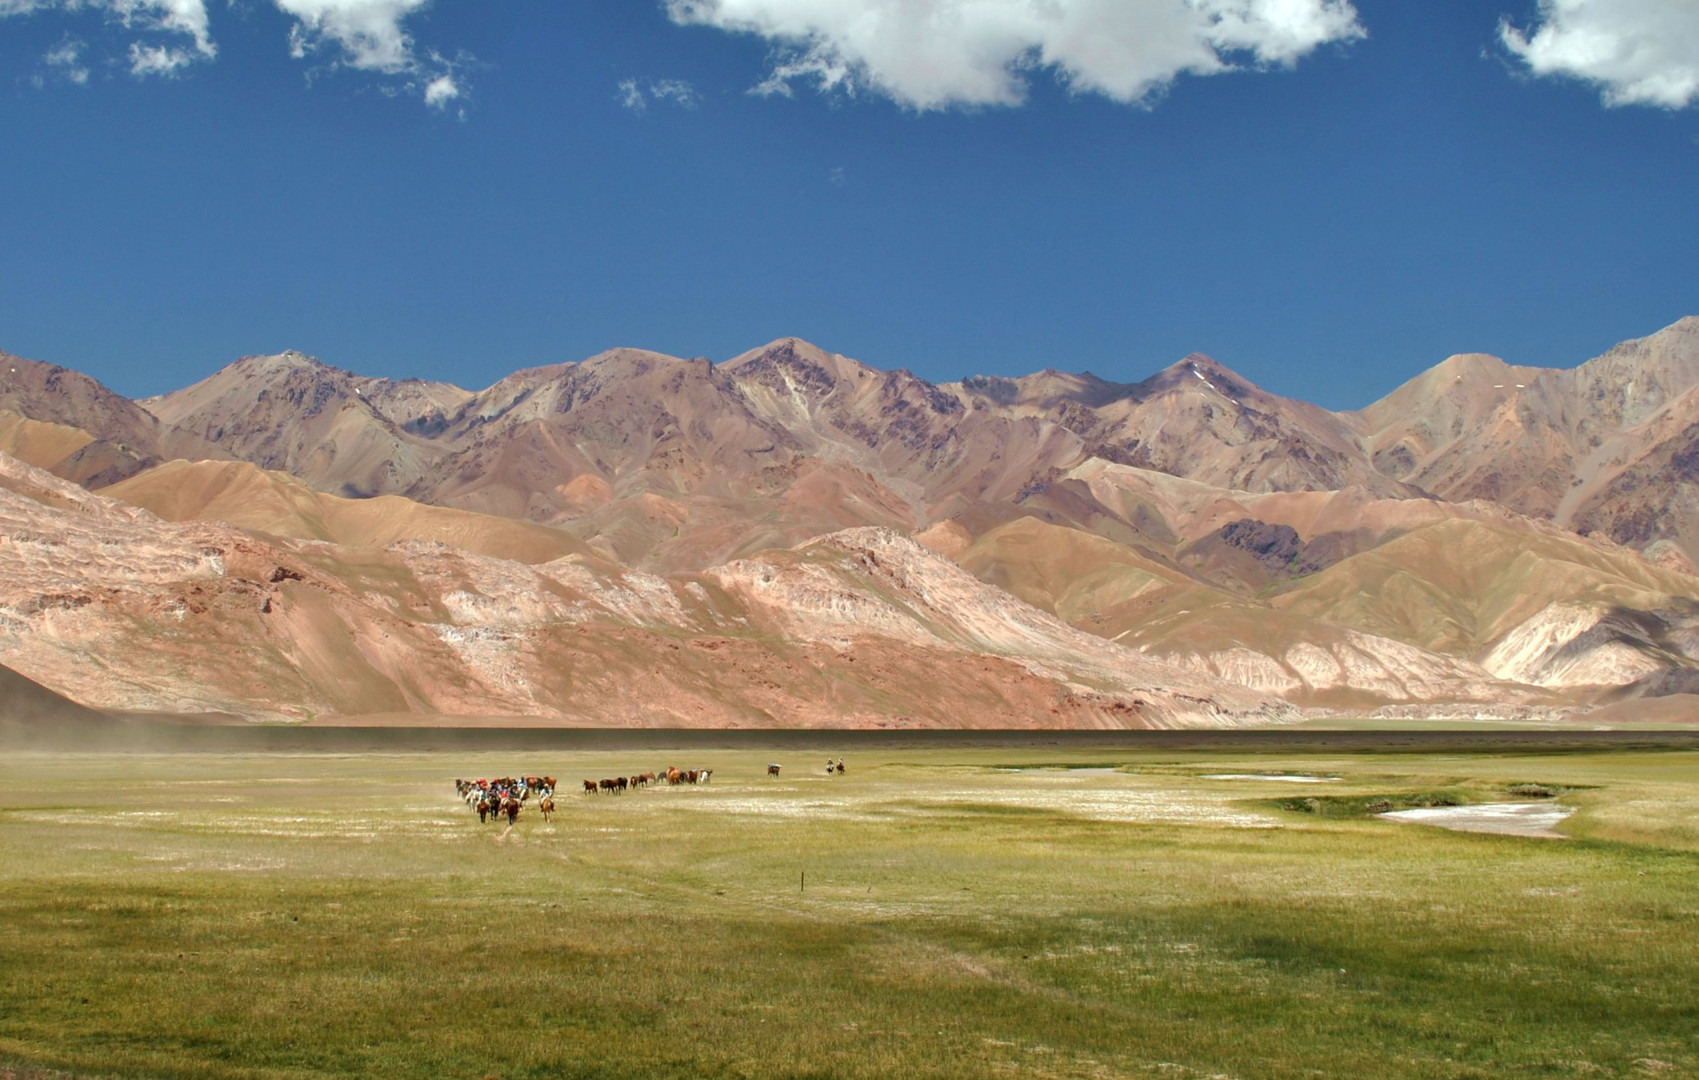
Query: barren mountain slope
{"type": "Point", "coordinates": [675, 425]}
{"type": "Point", "coordinates": [1199, 420]}
{"type": "Point", "coordinates": [1238, 540]}
{"type": "Point", "coordinates": [1456, 427]}
{"type": "Point", "coordinates": [923, 441]}
{"type": "Point", "coordinates": [339, 432]}
{"type": "Point", "coordinates": [661, 461]}
{"type": "Point", "coordinates": [109, 604]}
{"type": "Point", "coordinates": [1065, 571]}
{"type": "Point", "coordinates": [1462, 586]}
{"type": "Point", "coordinates": [43, 445]}
{"type": "Point", "coordinates": [1641, 486]}
{"type": "Point", "coordinates": [1115, 593]}
{"type": "Point", "coordinates": [1593, 643]}
{"type": "Point", "coordinates": [1597, 447]}
{"type": "Point", "coordinates": [243, 495]}
{"type": "Point", "coordinates": [123, 438]}
{"type": "Point", "coordinates": [862, 582]}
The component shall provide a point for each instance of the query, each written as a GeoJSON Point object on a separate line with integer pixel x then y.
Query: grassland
{"type": "Point", "coordinates": [933, 912]}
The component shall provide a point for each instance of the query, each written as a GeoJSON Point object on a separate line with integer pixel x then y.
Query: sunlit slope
{"type": "Point", "coordinates": [273, 502]}
{"type": "Point", "coordinates": [1457, 586]}
{"type": "Point", "coordinates": [1071, 573]}
{"type": "Point", "coordinates": [1119, 594]}
{"type": "Point", "coordinates": [43, 445]}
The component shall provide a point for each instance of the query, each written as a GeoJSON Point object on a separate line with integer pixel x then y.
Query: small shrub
{"type": "Point", "coordinates": [1426, 801]}
{"type": "Point", "coordinates": [1534, 791]}
{"type": "Point", "coordinates": [1360, 806]}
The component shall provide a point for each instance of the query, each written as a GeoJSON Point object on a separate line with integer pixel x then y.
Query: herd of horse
{"type": "Point", "coordinates": [507, 795]}
{"type": "Point", "coordinates": [671, 775]}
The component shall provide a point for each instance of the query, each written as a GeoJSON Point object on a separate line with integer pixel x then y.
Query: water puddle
{"type": "Point", "coordinates": [1507, 819]}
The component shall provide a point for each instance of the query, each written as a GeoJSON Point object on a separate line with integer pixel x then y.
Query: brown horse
{"type": "Point", "coordinates": [589, 787]}
{"type": "Point", "coordinates": [510, 807]}
{"type": "Point", "coordinates": [546, 807]}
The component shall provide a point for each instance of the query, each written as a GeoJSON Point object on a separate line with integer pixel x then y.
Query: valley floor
{"type": "Point", "coordinates": [1063, 911]}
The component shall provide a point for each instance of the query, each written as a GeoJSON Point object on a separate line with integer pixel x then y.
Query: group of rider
{"type": "Point", "coordinates": [504, 796]}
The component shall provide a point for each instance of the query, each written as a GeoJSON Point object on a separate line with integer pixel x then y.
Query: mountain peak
{"type": "Point", "coordinates": [287, 360]}
{"type": "Point", "coordinates": [1199, 371]}
{"type": "Point", "coordinates": [798, 363]}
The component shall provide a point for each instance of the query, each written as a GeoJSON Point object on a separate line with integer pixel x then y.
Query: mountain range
{"type": "Point", "coordinates": [792, 537]}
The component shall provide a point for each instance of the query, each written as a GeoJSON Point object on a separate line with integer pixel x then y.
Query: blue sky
{"type": "Point", "coordinates": [1412, 186]}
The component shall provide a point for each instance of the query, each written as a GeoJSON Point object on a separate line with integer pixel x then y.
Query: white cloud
{"type": "Point", "coordinates": [171, 20]}
{"type": "Point", "coordinates": [677, 91]}
{"type": "Point", "coordinates": [1638, 52]}
{"type": "Point", "coordinates": [163, 60]}
{"type": "Point", "coordinates": [440, 91]}
{"type": "Point", "coordinates": [635, 94]}
{"type": "Point", "coordinates": [171, 16]}
{"type": "Point", "coordinates": [932, 54]}
{"type": "Point", "coordinates": [371, 35]}
{"type": "Point", "coordinates": [67, 57]}
{"type": "Point", "coordinates": [366, 33]}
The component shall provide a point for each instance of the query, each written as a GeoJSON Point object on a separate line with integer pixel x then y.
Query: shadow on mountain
{"type": "Point", "coordinates": [32, 717]}
{"type": "Point", "coordinates": [31, 713]}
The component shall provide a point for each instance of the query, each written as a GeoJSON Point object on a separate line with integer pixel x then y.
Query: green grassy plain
{"type": "Point", "coordinates": [933, 912]}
